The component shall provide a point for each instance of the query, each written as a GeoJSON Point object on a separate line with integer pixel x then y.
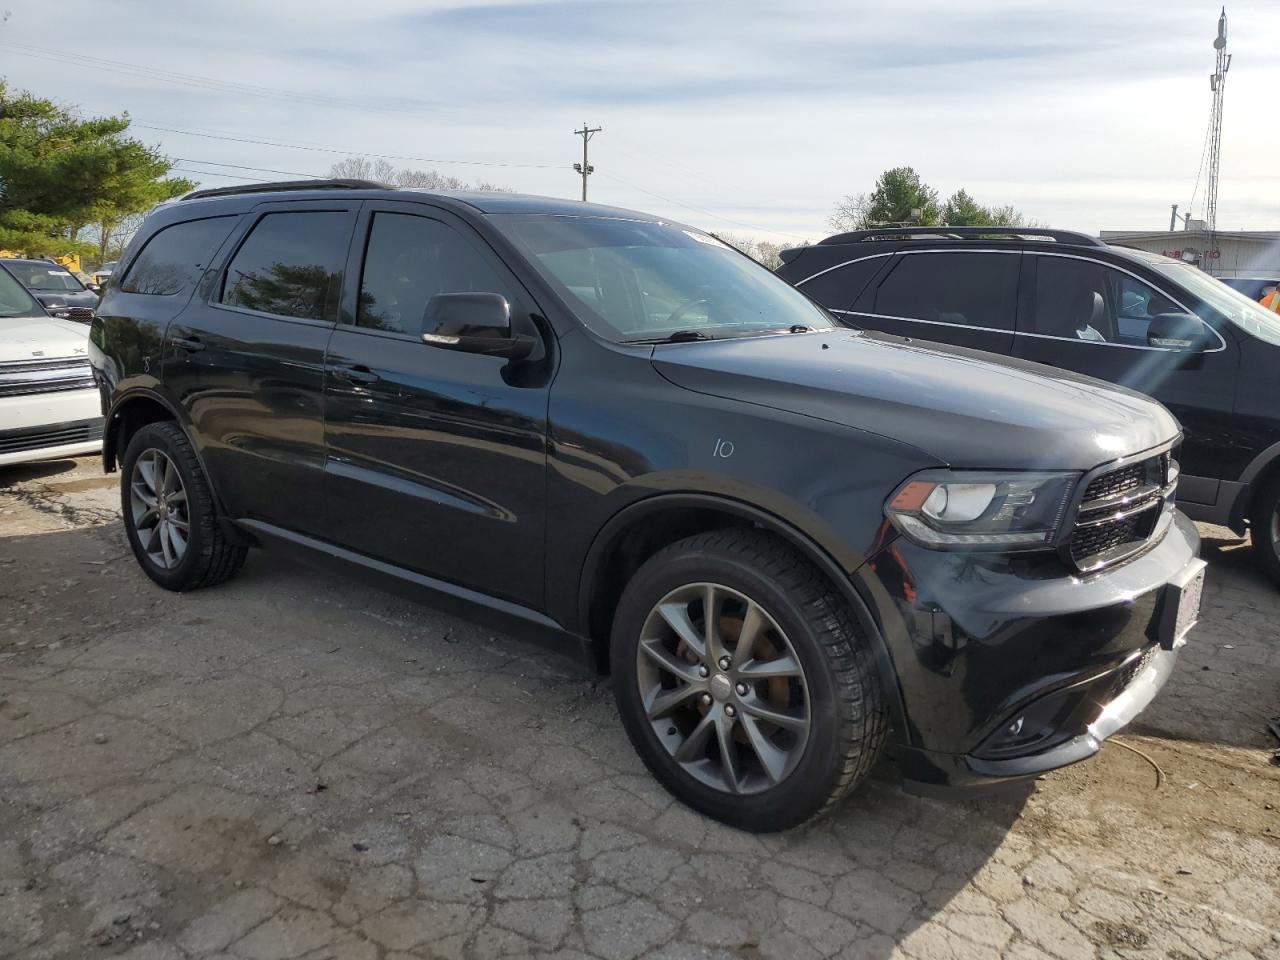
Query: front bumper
{"type": "Point", "coordinates": [979, 644]}
{"type": "Point", "coordinates": [48, 426]}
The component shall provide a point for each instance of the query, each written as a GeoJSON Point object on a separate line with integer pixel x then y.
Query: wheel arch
{"type": "Point", "coordinates": [639, 530]}
{"type": "Point", "coordinates": [1260, 472]}
{"type": "Point", "coordinates": [130, 412]}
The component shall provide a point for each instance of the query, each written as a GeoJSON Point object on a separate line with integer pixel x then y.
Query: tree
{"type": "Point", "coordinates": [897, 195]}
{"type": "Point", "coordinates": [961, 210]}
{"type": "Point", "coordinates": [59, 174]}
{"type": "Point", "coordinates": [362, 168]}
{"type": "Point", "coordinates": [900, 191]}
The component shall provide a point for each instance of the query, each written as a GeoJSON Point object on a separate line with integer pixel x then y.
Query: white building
{"type": "Point", "coordinates": [1224, 253]}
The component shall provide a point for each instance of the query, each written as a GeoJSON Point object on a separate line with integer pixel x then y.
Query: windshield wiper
{"type": "Point", "coordinates": [680, 336]}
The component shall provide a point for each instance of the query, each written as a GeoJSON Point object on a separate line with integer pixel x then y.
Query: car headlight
{"type": "Point", "coordinates": [972, 510]}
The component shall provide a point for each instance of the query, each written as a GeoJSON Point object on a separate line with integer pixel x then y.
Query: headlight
{"type": "Point", "coordinates": [958, 510]}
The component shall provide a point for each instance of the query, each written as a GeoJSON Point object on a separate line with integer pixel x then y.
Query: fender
{"type": "Point", "coordinates": [1259, 465]}
{"type": "Point", "coordinates": [846, 583]}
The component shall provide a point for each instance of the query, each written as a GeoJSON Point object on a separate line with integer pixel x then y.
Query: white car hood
{"type": "Point", "coordinates": [27, 338]}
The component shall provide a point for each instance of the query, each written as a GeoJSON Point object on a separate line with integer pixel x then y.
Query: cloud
{"type": "Point", "coordinates": [1089, 115]}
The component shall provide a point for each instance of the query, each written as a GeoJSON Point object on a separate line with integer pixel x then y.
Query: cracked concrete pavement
{"type": "Point", "coordinates": [298, 765]}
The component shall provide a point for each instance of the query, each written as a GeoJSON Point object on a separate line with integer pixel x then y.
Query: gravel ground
{"type": "Point", "coordinates": [297, 765]}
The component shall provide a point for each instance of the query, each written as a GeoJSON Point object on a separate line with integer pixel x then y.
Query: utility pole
{"type": "Point", "coordinates": [1173, 218]}
{"type": "Point", "coordinates": [584, 168]}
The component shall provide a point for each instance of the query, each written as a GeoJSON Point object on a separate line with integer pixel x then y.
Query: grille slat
{"type": "Point", "coordinates": [16, 441]}
{"type": "Point", "coordinates": [1119, 513]}
{"type": "Point", "coordinates": [23, 377]}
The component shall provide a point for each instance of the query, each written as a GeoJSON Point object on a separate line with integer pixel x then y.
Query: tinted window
{"type": "Point", "coordinates": [838, 288]}
{"type": "Point", "coordinates": [14, 299]}
{"type": "Point", "coordinates": [291, 265]}
{"type": "Point", "coordinates": [1084, 300]}
{"type": "Point", "coordinates": [44, 276]}
{"type": "Point", "coordinates": [408, 261]}
{"type": "Point", "coordinates": [174, 259]}
{"type": "Point", "coordinates": [970, 289]}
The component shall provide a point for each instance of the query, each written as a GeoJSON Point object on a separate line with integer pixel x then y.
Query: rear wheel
{"type": "Point", "coordinates": [1264, 529]}
{"type": "Point", "coordinates": [743, 682]}
{"type": "Point", "coordinates": [169, 513]}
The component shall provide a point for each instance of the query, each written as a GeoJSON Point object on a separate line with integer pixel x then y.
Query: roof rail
{"type": "Point", "coordinates": [282, 186]}
{"type": "Point", "coordinates": [959, 233]}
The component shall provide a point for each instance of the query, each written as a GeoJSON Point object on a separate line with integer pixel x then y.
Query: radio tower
{"type": "Point", "coordinates": [1217, 83]}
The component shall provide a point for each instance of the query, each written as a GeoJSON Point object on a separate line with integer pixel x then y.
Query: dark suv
{"type": "Point", "coordinates": [1153, 324]}
{"type": "Point", "coordinates": [786, 538]}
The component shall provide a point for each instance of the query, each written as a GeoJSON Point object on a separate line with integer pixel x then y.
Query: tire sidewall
{"type": "Point", "coordinates": [815, 776]}
{"type": "Point", "coordinates": [1262, 515]}
{"type": "Point", "coordinates": [162, 437]}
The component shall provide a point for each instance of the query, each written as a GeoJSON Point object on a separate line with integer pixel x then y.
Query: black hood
{"type": "Point", "coordinates": [963, 407]}
{"type": "Point", "coordinates": [66, 298]}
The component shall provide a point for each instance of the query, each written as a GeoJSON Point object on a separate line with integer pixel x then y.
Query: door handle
{"type": "Point", "coordinates": [191, 345]}
{"type": "Point", "coordinates": [358, 375]}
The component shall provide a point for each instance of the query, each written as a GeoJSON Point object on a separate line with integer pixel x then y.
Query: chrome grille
{"type": "Point", "coordinates": [22, 377]}
{"type": "Point", "coordinates": [1120, 512]}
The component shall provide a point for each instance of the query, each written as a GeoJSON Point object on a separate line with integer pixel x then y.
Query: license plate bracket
{"type": "Point", "coordinates": [1180, 609]}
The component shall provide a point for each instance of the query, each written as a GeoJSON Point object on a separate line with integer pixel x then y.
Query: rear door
{"type": "Point", "coordinates": [963, 297]}
{"type": "Point", "coordinates": [1089, 316]}
{"type": "Point", "coordinates": [436, 458]}
{"type": "Point", "coordinates": [248, 360]}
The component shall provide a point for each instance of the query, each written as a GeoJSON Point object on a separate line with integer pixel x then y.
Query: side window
{"type": "Point", "coordinates": [1136, 303]}
{"type": "Point", "coordinates": [291, 265]}
{"type": "Point", "coordinates": [837, 289]}
{"type": "Point", "coordinates": [1084, 300]}
{"type": "Point", "coordinates": [966, 289]}
{"type": "Point", "coordinates": [173, 260]}
{"type": "Point", "coordinates": [408, 260]}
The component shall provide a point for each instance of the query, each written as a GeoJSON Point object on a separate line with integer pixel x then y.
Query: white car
{"type": "Point", "coordinates": [49, 403]}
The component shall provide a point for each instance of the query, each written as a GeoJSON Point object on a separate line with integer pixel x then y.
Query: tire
{"type": "Point", "coordinates": [799, 618]}
{"type": "Point", "coordinates": [1264, 529]}
{"type": "Point", "coordinates": [208, 557]}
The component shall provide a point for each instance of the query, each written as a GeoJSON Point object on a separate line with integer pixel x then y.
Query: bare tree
{"type": "Point", "coordinates": [363, 168]}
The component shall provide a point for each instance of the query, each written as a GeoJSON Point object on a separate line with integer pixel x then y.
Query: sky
{"type": "Point", "coordinates": [747, 118]}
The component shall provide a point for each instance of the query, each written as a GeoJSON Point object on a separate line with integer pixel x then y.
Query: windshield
{"type": "Point", "coordinates": [14, 299]}
{"type": "Point", "coordinates": [633, 280]}
{"type": "Point", "coordinates": [1249, 315]}
{"type": "Point", "coordinates": [43, 276]}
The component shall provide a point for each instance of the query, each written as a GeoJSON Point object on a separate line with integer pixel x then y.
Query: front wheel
{"type": "Point", "coordinates": [169, 513]}
{"type": "Point", "coordinates": [743, 681]}
{"type": "Point", "coordinates": [1264, 529]}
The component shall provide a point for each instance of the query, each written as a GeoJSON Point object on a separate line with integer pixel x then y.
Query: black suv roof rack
{"type": "Point", "coordinates": [960, 233]}
{"type": "Point", "coordinates": [281, 186]}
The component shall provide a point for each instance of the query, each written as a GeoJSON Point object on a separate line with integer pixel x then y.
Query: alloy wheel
{"type": "Point", "coordinates": [723, 688]}
{"type": "Point", "coordinates": [158, 503]}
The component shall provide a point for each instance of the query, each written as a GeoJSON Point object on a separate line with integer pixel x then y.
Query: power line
{"type": "Point", "coordinates": [240, 166]}
{"type": "Point", "coordinates": [344, 151]}
{"type": "Point", "coordinates": [196, 81]}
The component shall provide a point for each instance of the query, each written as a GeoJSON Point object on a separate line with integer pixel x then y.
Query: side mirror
{"type": "Point", "coordinates": [476, 323]}
{"type": "Point", "coordinates": [93, 287]}
{"type": "Point", "coordinates": [1177, 331]}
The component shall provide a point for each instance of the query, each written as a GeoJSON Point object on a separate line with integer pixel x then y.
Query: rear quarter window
{"type": "Point", "coordinates": [173, 260]}
{"type": "Point", "coordinates": [838, 287]}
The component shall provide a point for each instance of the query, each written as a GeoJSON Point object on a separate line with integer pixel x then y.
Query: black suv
{"type": "Point", "coordinates": [1153, 324]}
{"type": "Point", "coordinates": [56, 287]}
{"type": "Point", "coordinates": [786, 538]}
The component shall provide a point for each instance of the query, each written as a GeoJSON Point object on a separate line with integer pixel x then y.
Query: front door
{"type": "Point", "coordinates": [248, 361]}
{"type": "Point", "coordinates": [1091, 317]}
{"type": "Point", "coordinates": [436, 458]}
